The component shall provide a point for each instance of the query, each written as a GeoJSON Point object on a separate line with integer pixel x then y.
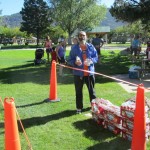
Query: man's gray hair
{"type": "Point", "coordinates": [82, 32]}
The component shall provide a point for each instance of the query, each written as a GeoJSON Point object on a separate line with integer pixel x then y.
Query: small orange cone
{"type": "Point", "coordinates": [139, 130]}
{"type": "Point", "coordinates": [12, 140]}
{"type": "Point", "coordinates": [53, 84]}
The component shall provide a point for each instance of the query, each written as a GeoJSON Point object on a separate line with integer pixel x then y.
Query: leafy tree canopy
{"type": "Point", "coordinates": [77, 14]}
{"type": "Point", "coordinates": [132, 11]}
{"type": "Point", "coordinates": [11, 32]}
{"type": "Point", "coordinates": [35, 16]}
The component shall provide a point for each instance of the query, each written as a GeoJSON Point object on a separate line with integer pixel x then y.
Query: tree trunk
{"type": "Point", "coordinates": [37, 41]}
{"type": "Point", "coordinates": [69, 40]}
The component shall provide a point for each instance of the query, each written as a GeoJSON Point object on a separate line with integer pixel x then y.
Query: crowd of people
{"type": "Point", "coordinates": [58, 52]}
{"type": "Point", "coordinates": [83, 55]}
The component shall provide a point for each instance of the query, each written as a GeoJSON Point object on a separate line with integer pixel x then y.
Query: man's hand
{"type": "Point", "coordinates": [88, 62]}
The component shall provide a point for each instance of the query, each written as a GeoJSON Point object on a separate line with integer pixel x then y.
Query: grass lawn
{"type": "Point", "coordinates": [55, 126]}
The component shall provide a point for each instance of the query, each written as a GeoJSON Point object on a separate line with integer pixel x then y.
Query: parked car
{"type": "Point", "coordinates": [7, 41]}
{"type": "Point", "coordinates": [11, 41]}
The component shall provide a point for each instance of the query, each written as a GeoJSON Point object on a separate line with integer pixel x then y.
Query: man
{"type": "Point", "coordinates": [60, 52]}
{"type": "Point", "coordinates": [62, 38]}
{"type": "Point", "coordinates": [148, 49]}
{"type": "Point", "coordinates": [48, 46]}
{"type": "Point", "coordinates": [83, 56]}
{"type": "Point", "coordinates": [135, 48]}
{"type": "Point", "coordinates": [98, 43]}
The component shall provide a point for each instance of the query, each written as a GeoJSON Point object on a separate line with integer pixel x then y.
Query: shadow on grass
{"type": "Point", "coordinates": [40, 74]}
{"type": "Point", "coordinates": [34, 121]}
{"type": "Point", "coordinates": [32, 104]}
{"type": "Point", "coordinates": [29, 122]}
{"type": "Point", "coordinates": [106, 138]}
{"type": "Point", "coordinates": [115, 144]}
{"type": "Point", "coordinates": [21, 66]}
{"type": "Point", "coordinates": [2, 127]}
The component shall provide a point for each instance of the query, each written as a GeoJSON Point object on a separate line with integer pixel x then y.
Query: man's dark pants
{"type": "Point", "coordinates": [79, 82]}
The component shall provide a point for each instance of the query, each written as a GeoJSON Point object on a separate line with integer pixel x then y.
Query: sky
{"type": "Point", "coordinates": [10, 7]}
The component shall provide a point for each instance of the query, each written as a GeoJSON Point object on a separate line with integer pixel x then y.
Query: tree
{"type": "Point", "coordinates": [77, 14]}
{"type": "Point", "coordinates": [35, 16]}
{"type": "Point", "coordinates": [132, 11]}
{"type": "Point", "coordinates": [110, 36]}
{"type": "Point", "coordinates": [11, 32]}
{"type": "Point", "coordinates": [55, 32]}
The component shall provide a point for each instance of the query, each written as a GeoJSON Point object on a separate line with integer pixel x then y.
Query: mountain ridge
{"type": "Point", "coordinates": [14, 20]}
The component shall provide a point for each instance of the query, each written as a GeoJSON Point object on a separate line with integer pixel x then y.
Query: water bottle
{"type": "Point", "coordinates": [78, 58]}
{"type": "Point", "coordinates": [88, 62]}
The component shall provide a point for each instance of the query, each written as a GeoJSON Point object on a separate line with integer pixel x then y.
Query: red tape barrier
{"type": "Point", "coordinates": [130, 83]}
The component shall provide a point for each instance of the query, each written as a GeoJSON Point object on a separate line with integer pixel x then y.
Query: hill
{"type": "Point", "coordinates": [15, 19]}
{"type": "Point", "coordinates": [111, 21]}
{"type": "Point", "coordinates": [12, 20]}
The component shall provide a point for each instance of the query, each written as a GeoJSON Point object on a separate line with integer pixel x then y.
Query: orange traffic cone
{"type": "Point", "coordinates": [53, 84]}
{"type": "Point", "coordinates": [12, 141]}
{"type": "Point", "coordinates": [139, 130]}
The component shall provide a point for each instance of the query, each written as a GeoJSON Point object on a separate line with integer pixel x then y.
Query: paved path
{"type": "Point", "coordinates": [131, 88]}
{"type": "Point", "coordinates": [106, 47]}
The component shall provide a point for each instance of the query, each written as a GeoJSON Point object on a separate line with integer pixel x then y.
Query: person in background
{"type": "Point", "coordinates": [60, 52]}
{"type": "Point", "coordinates": [148, 48]}
{"type": "Point", "coordinates": [140, 45]}
{"type": "Point", "coordinates": [83, 55]}
{"type": "Point", "coordinates": [146, 40]}
{"type": "Point", "coordinates": [62, 38]}
{"type": "Point", "coordinates": [135, 48]}
{"type": "Point", "coordinates": [132, 36]}
{"type": "Point", "coordinates": [53, 54]}
{"type": "Point", "coordinates": [48, 46]}
{"type": "Point", "coordinates": [98, 43]}
{"type": "Point", "coordinates": [75, 41]}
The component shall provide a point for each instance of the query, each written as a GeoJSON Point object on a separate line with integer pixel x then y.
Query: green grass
{"type": "Point", "coordinates": [117, 44]}
{"type": "Point", "coordinates": [55, 126]}
{"type": "Point", "coordinates": [16, 46]}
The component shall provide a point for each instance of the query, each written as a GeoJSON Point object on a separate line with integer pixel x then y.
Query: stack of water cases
{"type": "Point", "coordinates": [127, 112]}
{"type": "Point", "coordinates": [107, 114]}
{"type": "Point", "coordinates": [117, 119]}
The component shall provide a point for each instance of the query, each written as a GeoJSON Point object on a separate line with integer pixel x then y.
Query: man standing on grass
{"type": "Point", "coordinates": [135, 48]}
{"type": "Point", "coordinates": [83, 56]}
{"type": "Point", "coordinates": [98, 43]}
